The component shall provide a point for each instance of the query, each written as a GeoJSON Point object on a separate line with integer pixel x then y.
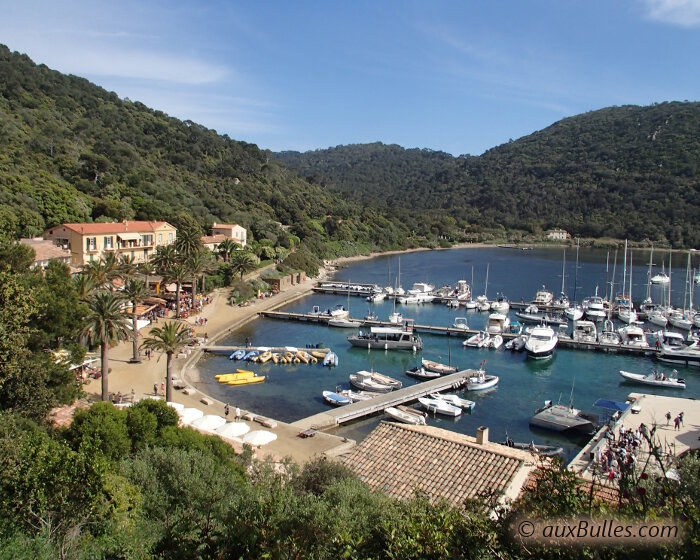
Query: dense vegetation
{"type": "Point", "coordinates": [624, 172]}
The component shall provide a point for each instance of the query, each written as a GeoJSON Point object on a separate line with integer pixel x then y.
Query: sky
{"type": "Point", "coordinates": [456, 76]}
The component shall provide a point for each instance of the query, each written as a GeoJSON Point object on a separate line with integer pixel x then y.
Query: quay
{"type": "Point", "coordinates": [336, 416]}
{"type": "Point", "coordinates": [451, 331]}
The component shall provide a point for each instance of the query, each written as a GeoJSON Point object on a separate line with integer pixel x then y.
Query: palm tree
{"type": "Point", "coordinates": [127, 267]}
{"type": "Point", "coordinates": [164, 258]}
{"type": "Point", "coordinates": [147, 269]}
{"type": "Point", "coordinates": [226, 248]}
{"type": "Point", "coordinates": [111, 263]}
{"type": "Point", "coordinates": [84, 285]}
{"type": "Point", "coordinates": [135, 291]}
{"type": "Point", "coordinates": [199, 264]}
{"type": "Point", "coordinates": [243, 262]}
{"type": "Point", "coordinates": [178, 273]}
{"type": "Point", "coordinates": [105, 324]}
{"type": "Point", "coordinates": [167, 340]}
{"type": "Point", "coordinates": [188, 241]}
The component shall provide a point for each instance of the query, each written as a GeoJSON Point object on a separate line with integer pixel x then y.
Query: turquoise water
{"type": "Point", "coordinates": [291, 392]}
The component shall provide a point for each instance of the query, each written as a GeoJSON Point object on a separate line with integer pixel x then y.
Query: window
{"type": "Point", "coordinates": [170, 238]}
{"type": "Point", "coordinates": [90, 243]}
{"type": "Point", "coordinates": [146, 240]}
{"type": "Point", "coordinates": [160, 238]}
{"type": "Point", "coordinates": [108, 243]}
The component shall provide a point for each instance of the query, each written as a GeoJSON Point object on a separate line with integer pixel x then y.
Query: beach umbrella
{"type": "Point", "coordinates": [233, 429]}
{"type": "Point", "coordinates": [179, 407]}
{"type": "Point", "coordinates": [209, 422]}
{"type": "Point", "coordinates": [187, 415]}
{"type": "Point", "coordinates": [256, 438]}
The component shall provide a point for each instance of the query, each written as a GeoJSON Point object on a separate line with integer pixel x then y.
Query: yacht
{"type": "Point", "coordinates": [420, 292]}
{"type": "Point", "coordinates": [574, 311]}
{"type": "Point", "coordinates": [497, 323]}
{"type": "Point", "coordinates": [388, 338]}
{"type": "Point", "coordinates": [541, 343]}
{"type": "Point", "coordinates": [608, 336]}
{"type": "Point", "coordinates": [584, 331]}
{"type": "Point", "coordinates": [501, 305]}
{"type": "Point", "coordinates": [543, 297]}
{"type": "Point", "coordinates": [460, 323]}
{"type": "Point", "coordinates": [657, 316]}
{"type": "Point", "coordinates": [594, 308]}
{"type": "Point", "coordinates": [680, 320]}
{"type": "Point", "coordinates": [660, 278]}
{"type": "Point", "coordinates": [632, 335]}
{"type": "Point", "coordinates": [684, 355]}
{"type": "Point", "coordinates": [561, 418]}
{"type": "Point", "coordinates": [532, 314]}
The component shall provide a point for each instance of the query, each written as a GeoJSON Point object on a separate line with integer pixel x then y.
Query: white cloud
{"type": "Point", "coordinates": [684, 13]}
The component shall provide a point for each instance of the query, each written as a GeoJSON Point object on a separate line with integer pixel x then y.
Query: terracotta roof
{"type": "Point", "coordinates": [46, 250]}
{"type": "Point", "coordinates": [602, 492]}
{"type": "Point", "coordinates": [399, 460]}
{"type": "Point", "coordinates": [218, 238]}
{"type": "Point", "coordinates": [113, 227]}
{"type": "Point", "coordinates": [225, 226]}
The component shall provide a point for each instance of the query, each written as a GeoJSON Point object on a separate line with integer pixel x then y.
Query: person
{"type": "Point", "coordinates": [676, 422]}
{"type": "Point", "coordinates": [247, 342]}
{"type": "Point", "coordinates": [238, 414]}
{"type": "Point", "coordinates": [155, 388]}
{"type": "Point", "coordinates": [226, 410]}
{"type": "Point", "coordinates": [680, 417]}
{"type": "Point", "coordinates": [119, 397]}
{"type": "Point", "coordinates": [133, 394]}
{"type": "Point", "coordinates": [162, 387]}
{"type": "Point", "coordinates": [668, 417]}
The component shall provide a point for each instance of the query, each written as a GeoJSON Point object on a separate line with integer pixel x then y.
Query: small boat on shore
{"type": "Point", "coordinates": [655, 378]}
{"type": "Point", "coordinates": [405, 417]}
{"type": "Point", "coordinates": [439, 406]}
{"type": "Point", "coordinates": [437, 367]}
{"type": "Point", "coordinates": [335, 399]}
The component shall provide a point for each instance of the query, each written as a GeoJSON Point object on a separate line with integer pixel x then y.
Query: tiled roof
{"type": "Point", "coordinates": [399, 460]}
{"type": "Point", "coordinates": [46, 250]}
{"type": "Point", "coordinates": [218, 238]}
{"type": "Point", "coordinates": [114, 227]}
{"type": "Point", "coordinates": [225, 226]}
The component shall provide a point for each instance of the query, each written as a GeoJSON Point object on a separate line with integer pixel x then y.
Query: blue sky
{"type": "Point", "coordinates": [458, 76]}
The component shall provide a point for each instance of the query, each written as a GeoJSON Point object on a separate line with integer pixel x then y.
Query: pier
{"type": "Point", "coordinates": [466, 333]}
{"type": "Point", "coordinates": [336, 416]}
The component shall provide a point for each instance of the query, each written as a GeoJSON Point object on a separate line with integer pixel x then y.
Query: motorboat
{"type": "Point", "coordinates": [344, 323]}
{"type": "Point", "coordinates": [633, 335]}
{"type": "Point", "coordinates": [543, 297]}
{"type": "Point", "coordinates": [516, 344]}
{"type": "Point", "coordinates": [330, 359]}
{"type": "Point", "coordinates": [594, 308]}
{"type": "Point", "coordinates": [396, 318]}
{"type": "Point", "coordinates": [437, 367]}
{"type": "Point", "coordinates": [439, 406]}
{"type": "Point", "coordinates": [421, 373]}
{"type": "Point", "coordinates": [501, 305]}
{"type": "Point", "coordinates": [388, 338]}
{"type": "Point", "coordinates": [335, 399]}
{"type": "Point", "coordinates": [420, 292]}
{"type": "Point", "coordinates": [495, 342]}
{"type": "Point", "coordinates": [356, 396]}
{"type": "Point", "coordinates": [561, 418]}
{"type": "Point", "coordinates": [541, 342]}
{"type": "Point", "coordinates": [608, 336]}
{"type": "Point", "coordinates": [584, 331]}
{"type": "Point", "coordinates": [574, 311]}
{"type": "Point", "coordinates": [371, 316]}
{"type": "Point", "coordinates": [460, 323]}
{"type": "Point", "coordinates": [470, 304]}
{"type": "Point", "coordinates": [374, 382]}
{"type": "Point", "coordinates": [480, 381]}
{"type": "Point", "coordinates": [684, 355]}
{"type": "Point", "coordinates": [376, 297]}
{"type": "Point", "coordinates": [515, 327]}
{"type": "Point", "coordinates": [454, 400]}
{"type": "Point", "coordinates": [532, 314]}
{"type": "Point", "coordinates": [338, 312]}
{"type": "Point", "coordinates": [453, 303]}
{"type": "Point", "coordinates": [655, 378]}
{"type": "Point", "coordinates": [237, 355]}
{"type": "Point", "coordinates": [680, 319]}
{"type": "Point", "coordinates": [405, 417]}
{"type": "Point", "coordinates": [661, 277]}
{"type": "Point", "coordinates": [478, 340]}
{"type": "Point", "coordinates": [657, 316]}
{"type": "Point", "coordinates": [627, 314]}
{"type": "Point", "coordinates": [562, 302]}
{"type": "Point", "coordinates": [539, 449]}
{"type": "Point", "coordinates": [497, 323]}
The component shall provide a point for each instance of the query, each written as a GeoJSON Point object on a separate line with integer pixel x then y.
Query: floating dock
{"type": "Point", "coordinates": [336, 416]}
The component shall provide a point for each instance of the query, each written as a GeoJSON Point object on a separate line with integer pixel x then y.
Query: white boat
{"type": "Point", "coordinates": [543, 297]}
{"type": "Point", "coordinates": [655, 378]}
{"type": "Point", "coordinates": [405, 417]}
{"type": "Point", "coordinates": [657, 316]}
{"type": "Point", "coordinates": [627, 315]}
{"type": "Point", "coordinates": [439, 406]}
{"type": "Point", "coordinates": [437, 367]}
{"type": "Point", "coordinates": [356, 396]}
{"type": "Point", "coordinates": [594, 308]}
{"type": "Point", "coordinates": [388, 338]}
{"type": "Point", "coordinates": [574, 312]}
{"type": "Point", "coordinates": [501, 305]}
{"type": "Point", "coordinates": [395, 318]}
{"type": "Point", "coordinates": [470, 304]}
{"type": "Point", "coordinates": [344, 323]}
{"type": "Point", "coordinates": [517, 344]}
{"type": "Point", "coordinates": [632, 335]}
{"type": "Point", "coordinates": [608, 336]}
{"type": "Point", "coordinates": [561, 418]}
{"type": "Point", "coordinates": [420, 292]}
{"type": "Point", "coordinates": [376, 297]}
{"type": "Point", "coordinates": [541, 343]}
{"type": "Point", "coordinates": [335, 399]}
{"type": "Point", "coordinates": [497, 323]}
{"type": "Point", "coordinates": [661, 277]}
{"type": "Point", "coordinates": [419, 372]}
{"type": "Point", "coordinates": [373, 381]}
{"type": "Point", "coordinates": [454, 400]}
{"type": "Point", "coordinates": [480, 381]}
{"type": "Point", "coordinates": [680, 319]}
{"type": "Point", "coordinates": [496, 342]}
{"type": "Point", "coordinates": [478, 340]}
{"type": "Point", "coordinates": [584, 331]}
{"type": "Point", "coordinates": [683, 355]}
{"type": "Point", "coordinates": [460, 323]}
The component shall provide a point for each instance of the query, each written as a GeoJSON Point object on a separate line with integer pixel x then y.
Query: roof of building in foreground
{"type": "Point", "coordinates": [113, 227]}
{"type": "Point", "coordinates": [400, 460]}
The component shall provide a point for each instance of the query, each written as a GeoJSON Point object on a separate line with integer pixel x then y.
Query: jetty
{"type": "Point", "coordinates": [465, 333]}
{"type": "Point", "coordinates": [337, 416]}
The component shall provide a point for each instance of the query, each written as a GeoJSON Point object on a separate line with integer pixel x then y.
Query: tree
{"type": "Point", "coordinates": [136, 292]}
{"type": "Point", "coordinates": [178, 274]}
{"type": "Point", "coordinates": [167, 340]}
{"type": "Point", "coordinates": [127, 267]}
{"type": "Point", "coordinates": [243, 262]}
{"type": "Point", "coordinates": [105, 324]}
{"type": "Point", "coordinates": [189, 236]}
{"type": "Point", "coordinates": [84, 285]}
{"type": "Point", "coordinates": [226, 248]}
{"type": "Point", "coordinates": [147, 269]}
{"type": "Point", "coordinates": [199, 264]}
{"type": "Point", "coordinates": [165, 258]}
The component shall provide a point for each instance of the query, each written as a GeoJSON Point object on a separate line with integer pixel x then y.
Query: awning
{"type": "Point", "coordinates": [611, 405]}
{"type": "Point", "coordinates": [129, 236]}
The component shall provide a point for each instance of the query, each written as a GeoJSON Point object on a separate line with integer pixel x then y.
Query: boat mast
{"type": "Point", "coordinates": [630, 293]}
{"type": "Point", "coordinates": [607, 278]}
{"type": "Point", "coordinates": [563, 272]}
{"type": "Point", "coordinates": [624, 273]}
{"type": "Point", "coordinates": [612, 283]}
{"type": "Point", "coordinates": [687, 277]}
{"type": "Point", "coordinates": [486, 288]}
{"type": "Point", "coordinates": [651, 256]}
{"type": "Point", "coordinates": [670, 253]}
{"type": "Point", "coordinates": [576, 271]}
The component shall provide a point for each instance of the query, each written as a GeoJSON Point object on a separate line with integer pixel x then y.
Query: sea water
{"type": "Point", "coordinates": [292, 392]}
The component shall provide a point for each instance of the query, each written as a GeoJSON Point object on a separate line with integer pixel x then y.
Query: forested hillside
{"type": "Point", "coordinates": [621, 172]}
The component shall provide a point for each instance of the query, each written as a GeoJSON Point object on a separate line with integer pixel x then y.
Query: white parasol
{"type": "Point", "coordinates": [209, 423]}
{"type": "Point", "coordinates": [256, 438]}
{"type": "Point", "coordinates": [177, 406]}
{"type": "Point", "coordinates": [233, 429]}
{"type": "Point", "coordinates": [187, 415]}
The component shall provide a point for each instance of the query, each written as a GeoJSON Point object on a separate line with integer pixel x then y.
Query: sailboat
{"type": "Point", "coordinates": [562, 301]}
{"type": "Point", "coordinates": [625, 311]}
{"type": "Point", "coordinates": [680, 318]}
{"type": "Point", "coordinates": [470, 303]}
{"type": "Point", "coordinates": [482, 303]}
{"type": "Point", "coordinates": [574, 311]}
{"type": "Point", "coordinates": [661, 277]}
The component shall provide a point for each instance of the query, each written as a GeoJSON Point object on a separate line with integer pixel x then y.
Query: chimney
{"type": "Point", "coordinates": [482, 435]}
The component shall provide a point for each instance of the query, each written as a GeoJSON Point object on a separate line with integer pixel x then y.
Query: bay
{"type": "Point", "coordinates": [291, 392]}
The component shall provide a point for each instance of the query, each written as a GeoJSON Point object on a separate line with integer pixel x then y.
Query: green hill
{"type": "Point", "coordinates": [620, 172]}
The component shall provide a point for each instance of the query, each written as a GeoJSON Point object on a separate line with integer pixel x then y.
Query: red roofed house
{"type": "Point", "coordinates": [88, 242]}
{"type": "Point", "coordinates": [45, 251]}
{"type": "Point", "coordinates": [232, 231]}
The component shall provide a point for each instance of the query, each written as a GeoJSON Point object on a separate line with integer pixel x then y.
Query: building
{"type": "Point", "coordinates": [281, 283]}
{"type": "Point", "coordinates": [400, 460]}
{"type": "Point", "coordinates": [90, 241]}
{"type": "Point", "coordinates": [211, 242]}
{"type": "Point", "coordinates": [233, 231]}
{"type": "Point", "coordinates": [558, 234]}
{"type": "Point", "coordinates": [46, 251]}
